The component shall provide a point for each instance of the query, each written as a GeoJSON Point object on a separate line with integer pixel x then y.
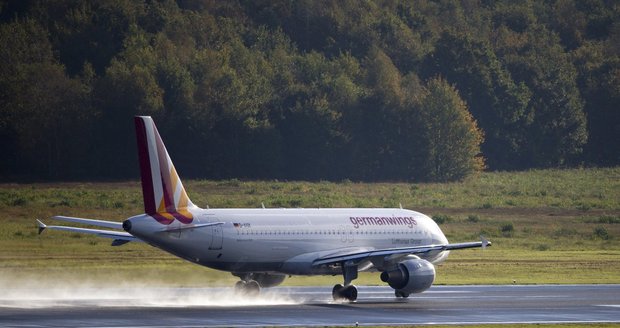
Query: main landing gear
{"type": "Point", "coordinates": [344, 293]}
{"type": "Point", "coordinates": [347, 292]}
{"type": "Point", "coordinates": [249, 287]}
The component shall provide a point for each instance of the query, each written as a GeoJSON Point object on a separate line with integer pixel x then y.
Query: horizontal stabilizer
{"type": "Point", "coordinates": [116, 235]}
{"type": "Point", "coordinates": [98, 223]}
{"type": "Point", "coordinates": [42, 226]}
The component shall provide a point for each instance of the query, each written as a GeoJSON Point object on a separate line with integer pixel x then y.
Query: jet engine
{"type": "Point", "coordinates": [410, 276]}
{"type": "Point", "coordinates": [268, 280]}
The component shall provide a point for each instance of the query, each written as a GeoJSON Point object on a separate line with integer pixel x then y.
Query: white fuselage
{"type": "Point", "coordinates": [289, 240]}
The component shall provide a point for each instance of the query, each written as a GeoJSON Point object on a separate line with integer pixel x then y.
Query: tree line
{"type": "Point", "coordinates": [362, 90]}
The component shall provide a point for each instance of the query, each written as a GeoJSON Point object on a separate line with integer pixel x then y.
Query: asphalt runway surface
{"type": "Point", "coordinates": [307, 306]}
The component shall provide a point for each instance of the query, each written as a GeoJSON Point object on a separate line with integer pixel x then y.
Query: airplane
{"type": "Point", "coordinates": [264, 245]}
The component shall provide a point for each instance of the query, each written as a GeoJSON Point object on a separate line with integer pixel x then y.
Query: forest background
{"type": "Point", "coordinates": [309, 90]}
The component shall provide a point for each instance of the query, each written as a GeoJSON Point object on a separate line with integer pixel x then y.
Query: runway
{"type": "Point", "coordinates": [308, 306]}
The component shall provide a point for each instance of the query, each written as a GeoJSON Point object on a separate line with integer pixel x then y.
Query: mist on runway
{"type": "Point", "coordinates": [39, 293]}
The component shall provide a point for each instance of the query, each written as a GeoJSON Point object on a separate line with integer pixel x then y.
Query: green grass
{"type": "Point", "coordinates": [547, 226]}
{"type": "Point", "coordinates": [566, 325]}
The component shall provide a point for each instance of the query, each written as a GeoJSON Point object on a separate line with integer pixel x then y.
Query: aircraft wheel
{"type": "Point", "coordinates": [400, 294]}
{"type": "Point", "coordinates": [337, 292]}
{"type": "Point", "coordinates": [252, 288]}
{"type": "Point", "coordinates": [249, 288]}
{"type": "Point", "coordinates": [240, 286]}
{"type": "Point", "coordinates": [341, 293]}
{"type": "Point", "coordinates": [350, 293]}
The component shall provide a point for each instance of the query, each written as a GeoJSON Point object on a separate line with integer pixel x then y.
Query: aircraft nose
{"type": "Point", "coordinates": [127, 225]}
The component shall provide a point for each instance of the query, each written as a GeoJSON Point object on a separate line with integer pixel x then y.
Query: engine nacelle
{"type": "Point", "coordinates": [410, 276]}
{"type": "Point", "coordinates": [268, 280]}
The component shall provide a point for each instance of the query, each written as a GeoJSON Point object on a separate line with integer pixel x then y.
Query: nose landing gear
{"type": "Point", "coordinates": [400, 294]}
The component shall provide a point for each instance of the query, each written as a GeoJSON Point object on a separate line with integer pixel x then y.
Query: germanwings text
{"type": "Point", "coordinates": [371, 220]}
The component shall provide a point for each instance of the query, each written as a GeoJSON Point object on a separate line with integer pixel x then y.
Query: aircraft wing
{"type": "Point", "coordinates": [484, 243]}
{"type": "Point", "coordinates": [362, 255]}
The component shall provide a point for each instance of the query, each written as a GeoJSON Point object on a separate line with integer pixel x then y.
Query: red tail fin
{"type": "Point", "coordinates": [165, 198]}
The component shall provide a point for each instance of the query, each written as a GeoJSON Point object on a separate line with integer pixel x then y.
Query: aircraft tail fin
{"type": "Point", "coordinates": [165, 198]}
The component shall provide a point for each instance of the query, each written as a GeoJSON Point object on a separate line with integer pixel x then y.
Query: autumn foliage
{"type": "Point", "coordinates": [361, 90]}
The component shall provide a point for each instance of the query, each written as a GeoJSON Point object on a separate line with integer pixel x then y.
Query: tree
{"type": "Point", "coordinates": [599, 82]}
{"type": "Point", "coordinates": [494, 99]}
{"type": "Point", "coordinates": [451, 136]}
{"type": "Point", "coordinates": [42, 109]}
{"type": "Point", "coordinates": [557, 131]}
{"type": "Point", "coordinates": [307, 89]}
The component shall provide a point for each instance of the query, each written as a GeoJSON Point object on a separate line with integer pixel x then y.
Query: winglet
{"type": "Point", "coordinates": [42, 226]}
{"type": "Point", "coordinates": [485, 242]}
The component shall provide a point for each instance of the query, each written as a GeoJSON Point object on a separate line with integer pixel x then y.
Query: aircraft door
{"type": "Point", "coordinates": [217, 236]}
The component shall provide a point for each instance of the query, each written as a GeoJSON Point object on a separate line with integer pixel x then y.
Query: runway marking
{"type": "Point", "coordinates": [609, 305]}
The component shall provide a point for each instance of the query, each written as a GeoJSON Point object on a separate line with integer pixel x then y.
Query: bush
{"type": "Point", "coordinates": [507, 229]}
{"type": "Point", "coordinates": [473, 218]}
{"type": "Point", "coordinates": [441, 218]}
{"type": "Point", "coordinates": [19, 202]}
{"type": "Point", "coordinates": [608, 220]}
{"type": "Point", "coordinates": [565, 232]}
{"type": "Point", "coordinates": [584, 207]}
{"type": "Point", "coordinates": [601, 232]}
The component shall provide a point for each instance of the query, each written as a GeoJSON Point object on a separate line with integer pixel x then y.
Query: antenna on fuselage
{"type": "Point", "coordinates": [262, 204]}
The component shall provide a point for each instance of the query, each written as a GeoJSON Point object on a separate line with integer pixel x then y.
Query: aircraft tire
{"type": "Point", "coordinates": [400, 294]}
{"type": "Point", "coordinates": [240, 286]}
{"type": "Point", "coordinates": [341, 293]}
{"type": "Point", "coordinates": [252, 288]}
{"type": "Point", "coordinates": [350, 293]}
{"type": "Point", "coordinates": [337, 292]}
{"type": "Point", "coordinates": [247, 288]}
